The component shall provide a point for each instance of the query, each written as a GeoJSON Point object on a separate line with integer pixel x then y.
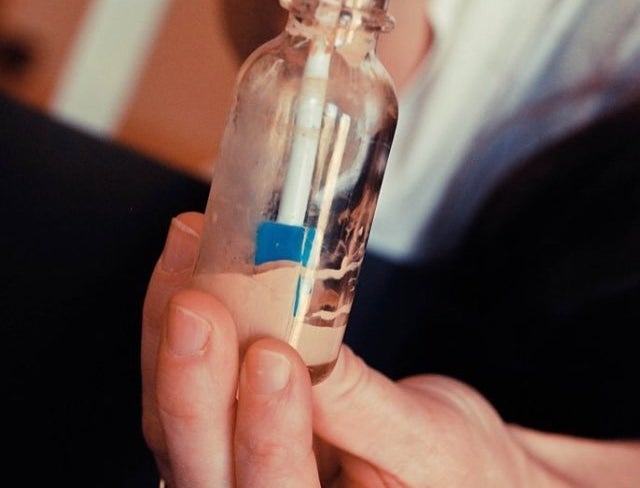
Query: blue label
{"type": "Point", "coordinates": [276, 241]}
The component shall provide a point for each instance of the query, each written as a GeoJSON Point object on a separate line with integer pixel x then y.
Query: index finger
{"type": "Point", "coordinates": [171, 274]}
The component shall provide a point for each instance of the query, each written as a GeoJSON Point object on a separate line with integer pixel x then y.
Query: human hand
{"type": "Point", "coordinates": [425, 431]}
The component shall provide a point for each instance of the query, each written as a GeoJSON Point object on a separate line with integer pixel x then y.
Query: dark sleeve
{"type": "Point", "coordinates": [83, 222]}
{"type": "Point", "coordinates": [538, 305]}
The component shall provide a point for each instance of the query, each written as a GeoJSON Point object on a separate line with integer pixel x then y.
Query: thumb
{"type": "Point", "coordinates": [426, 430]}
{"type": "Point", "coordinates": [362, 412]}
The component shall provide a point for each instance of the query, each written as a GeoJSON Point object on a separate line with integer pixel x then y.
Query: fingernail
{"type": "Point", "coordinates": [267, 372]}
{"type": "Point", "coordinates": [187, 332]}
{"type": "Point", "coordinates": [180, 249]}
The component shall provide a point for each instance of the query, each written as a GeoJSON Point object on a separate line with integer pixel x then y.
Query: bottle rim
{"type": "Point", "coordinates": [372, 14]}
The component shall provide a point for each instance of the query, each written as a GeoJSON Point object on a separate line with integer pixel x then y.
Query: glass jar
{"type": "Point", "coordinates": [296, 183]}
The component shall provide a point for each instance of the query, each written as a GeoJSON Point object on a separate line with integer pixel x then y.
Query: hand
{"type": "Point", "coordinates": [425, 431]}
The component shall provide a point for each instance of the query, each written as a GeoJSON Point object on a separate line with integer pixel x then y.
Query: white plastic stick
{"type": "Point", "coordinates": [306, 138]}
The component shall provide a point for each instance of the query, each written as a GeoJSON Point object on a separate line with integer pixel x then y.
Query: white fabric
{"type": "Point", "coordinates": [108, 56]}
{"type": "Point", "coordinates": [493, 60]}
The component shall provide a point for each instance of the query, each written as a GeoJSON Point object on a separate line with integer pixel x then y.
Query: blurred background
{"type": "Point", "coordinates": [154, 75]}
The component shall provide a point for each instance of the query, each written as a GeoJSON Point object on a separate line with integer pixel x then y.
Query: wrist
{"type": "Point", "coordinates": [562, 461]}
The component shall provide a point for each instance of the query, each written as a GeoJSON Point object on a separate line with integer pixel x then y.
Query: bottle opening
{"type": "Point", "coordinates": [370, 15]}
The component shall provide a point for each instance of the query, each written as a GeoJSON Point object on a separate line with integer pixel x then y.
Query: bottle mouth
{"type": "Point", "coordinates": [370, 15]}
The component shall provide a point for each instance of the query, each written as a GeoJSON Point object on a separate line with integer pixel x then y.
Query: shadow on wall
{"type": "Point", "coordinates": [250, 23]}
{"type": "Point", "coordinates": [15, 57]}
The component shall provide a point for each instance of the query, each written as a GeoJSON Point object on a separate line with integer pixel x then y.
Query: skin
{"type": "Point", "coordinates": [355, 429]}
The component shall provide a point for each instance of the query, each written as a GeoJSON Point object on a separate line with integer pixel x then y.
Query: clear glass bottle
{"type": "Point", "coordinates": [297, 180]}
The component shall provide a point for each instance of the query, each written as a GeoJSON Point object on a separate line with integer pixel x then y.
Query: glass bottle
{"type": "Point", "coordinates": [297, 180]}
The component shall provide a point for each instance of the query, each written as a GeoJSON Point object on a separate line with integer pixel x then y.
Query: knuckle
{"type": "Point", "coordinates": [267, 453]}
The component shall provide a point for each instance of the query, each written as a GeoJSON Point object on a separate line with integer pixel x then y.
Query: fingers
{"type": "Point", "coordinates": [190, 380]}
{"type": "Point", "coordinates": [196, 391]}
{"type": "Point", "coordinates": [196, 388]}
{"type": "Point", "coordinates": [172, 273]}
{"type": "Point", "coordinates": [274, 440]}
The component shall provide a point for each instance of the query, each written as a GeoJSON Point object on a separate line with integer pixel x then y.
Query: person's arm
{"type": "Point", "coordinates": [423, 431]}
{"type": "Point", "coordinates": [404, 49]}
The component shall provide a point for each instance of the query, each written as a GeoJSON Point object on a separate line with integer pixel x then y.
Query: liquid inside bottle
{"type": "Point", "coordinates": [296, 184]}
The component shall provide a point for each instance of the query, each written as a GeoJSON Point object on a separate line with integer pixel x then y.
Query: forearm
{"type": "Point", "coordinates": [403, 50]}
{"type": "Point", "coordinates": [563, 461]}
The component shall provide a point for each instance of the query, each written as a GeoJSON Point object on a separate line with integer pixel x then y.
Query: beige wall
{"type": "Point", "coordinates": [180, 96]}
{"type": "Point", "coordinates": [182, 93]}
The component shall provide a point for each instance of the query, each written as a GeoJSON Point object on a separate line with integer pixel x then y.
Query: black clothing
{"type": "Point", "coordinates": [83, 222]}
{"type": "Point", "coordinates": [537, 306]}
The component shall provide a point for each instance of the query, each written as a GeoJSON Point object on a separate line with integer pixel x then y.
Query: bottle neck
{"type": "Point", "coordinates": [339, 24]}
